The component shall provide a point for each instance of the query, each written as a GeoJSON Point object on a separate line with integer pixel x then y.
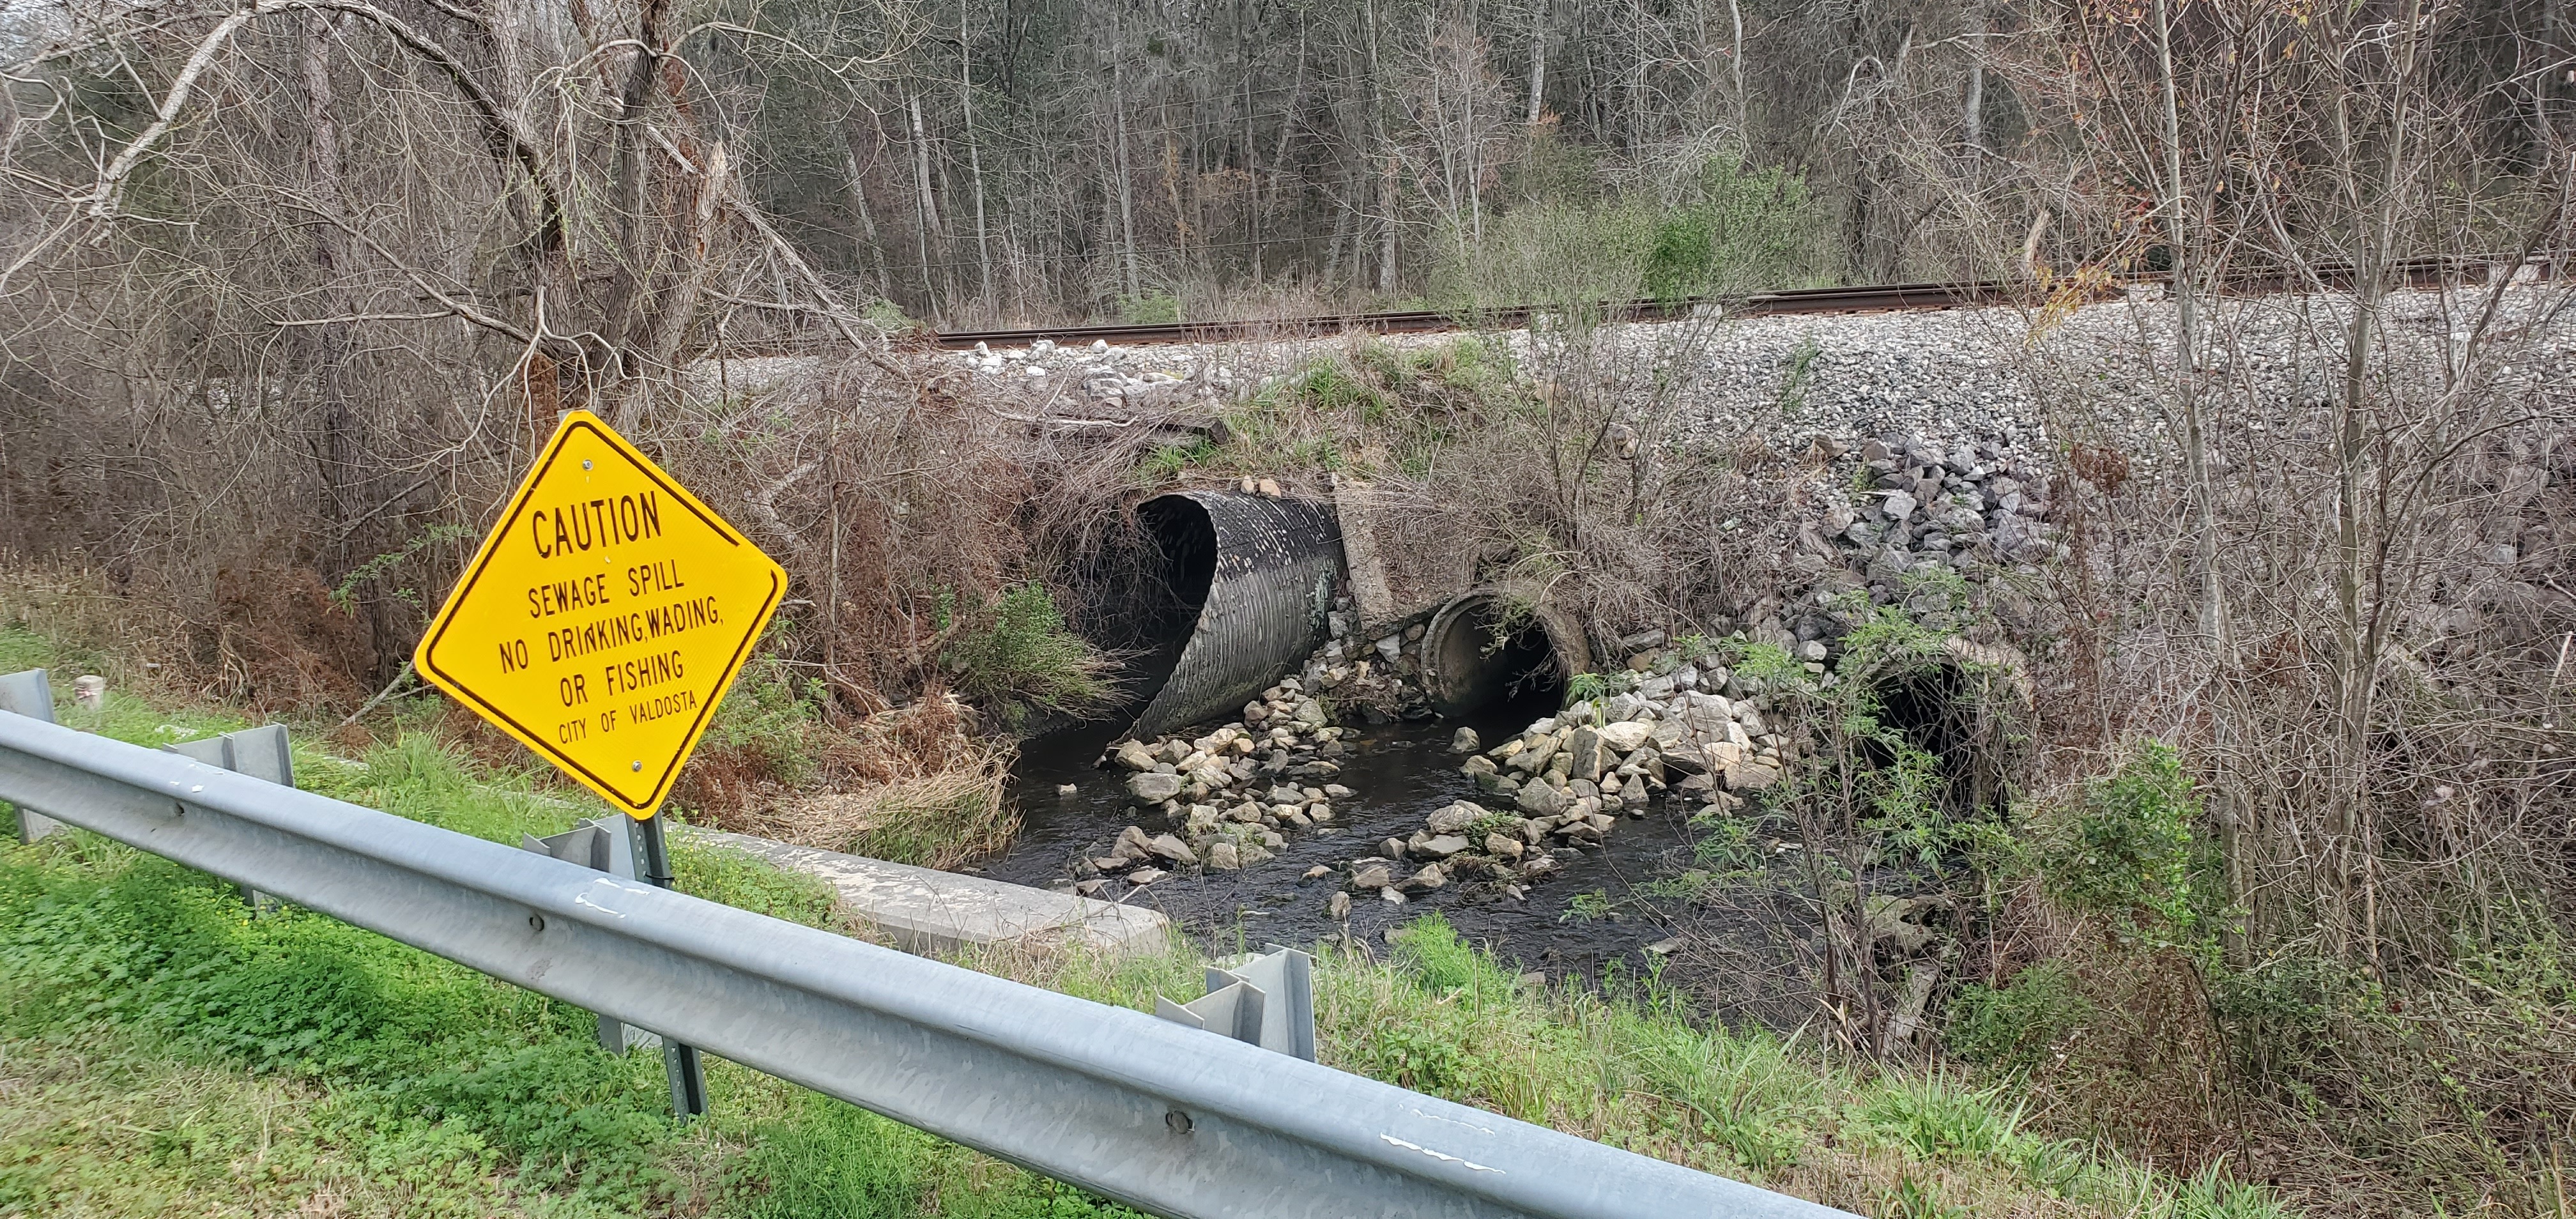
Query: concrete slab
{"type": "Point", "coordinates": [924, 910]}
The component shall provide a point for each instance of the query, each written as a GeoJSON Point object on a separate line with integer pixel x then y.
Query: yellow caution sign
{"type": "Point", "coordinates": [603, 619]}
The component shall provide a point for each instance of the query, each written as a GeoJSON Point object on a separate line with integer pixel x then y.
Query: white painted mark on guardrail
{"type": "Point", "coordinates": [1438, 1155]}
{"type": "Point", "coordinates": [583, 899]}
{"type": "Point", "coordinates": [1454, 1122]}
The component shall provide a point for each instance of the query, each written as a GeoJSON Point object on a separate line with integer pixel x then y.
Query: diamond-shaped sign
{"type": "Point", "coordinates": [604, 617]}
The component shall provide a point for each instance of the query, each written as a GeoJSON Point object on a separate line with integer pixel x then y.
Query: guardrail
{"type": "Point", "coordinates": [1169, 1119]}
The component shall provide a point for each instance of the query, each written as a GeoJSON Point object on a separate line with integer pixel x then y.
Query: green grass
{"type": "Point", "coordinates": [399, 1083]}
{"type": "Point", "coordinates": [1380, 406]}
{"type": "Point", "coordinates": [381, 1076]}
{"type": "Point", "coordinates": [1630, 1065]}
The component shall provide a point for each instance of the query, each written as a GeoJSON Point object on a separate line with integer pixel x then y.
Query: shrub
{"type": "Point", "coordinates": [1721, 229]}
{"type": "Point", "coordinates": [1023, 653]}
{"type": "Point", "coordinates": [1935, 1118]}
{"type": "Point", "coordinates": [2129, 852]}
{"type": "Point", "coordinates": [2013, 1025]}
{"type": "Point", "coordinates": [1425, 1060]}
{"type": "Point", "coordinates": [937, 820]}
{"type": "Point", "coordinates": [1728, 843]}
{"type": "Point", "coordinates": [1682, 256]}
{"type": "Point", "coordinates": [1168, 463]}
{"type": "Point", "coordinates": [767, 718]}
{"type": "Point", "coordinates": [1327, 384]}
{"type": "Point", "coordinates": [1149, 309]}
{"type": "Point", "coordinates": [1439, 961]}
{"type": "Point", "coordinates": [888, 316]}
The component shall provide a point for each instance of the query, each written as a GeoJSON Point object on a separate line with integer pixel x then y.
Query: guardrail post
{"type": "Point", "coordinates": [1267, 1000]}
{"type": "Point", "coordinates": [261, 753]}
{"type": "Point", "coordinates": [608, 845]}
{"type": "Point", "coordinates": [30, 695]}
{"type": "Point", "coordinates": [680, 1062]}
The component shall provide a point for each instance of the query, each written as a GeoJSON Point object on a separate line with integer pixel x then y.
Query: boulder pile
{"type": "Point", "coordinates": [1115, 377]}
{"type": "Point", "coordinates": [1373, 677]}
{"type": "Point", "coordinates": [1684, 725]}
{"type": "Point", "coordinates": [1464, 839]}
{"type": "Point", "coordinates": [1974, 502]}
{"type": "Point", "coordinates": [1231, 795]}
{"type": "Point", "coordinates": [1898, 520]}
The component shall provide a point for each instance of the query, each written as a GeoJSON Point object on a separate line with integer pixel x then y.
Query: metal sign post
{"type": "Point", "coordinates": [680, 1062]}
{"type": "Point", "coordinates": [623, 846]}
{"type": "Point", "coordinates": [600, 624]}
{"type": "Point", "coordinates": [261, 753]}
{"type": "Point", "coordinates": [1266, 1000]}
{"type": "Point", "coordinates": [607, 845]}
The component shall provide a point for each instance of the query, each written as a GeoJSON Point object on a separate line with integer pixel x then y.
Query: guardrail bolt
{"type": "Point", "coordinates": [1178, 1121]}
{"type": "Point", "coordinates": [536, 922]}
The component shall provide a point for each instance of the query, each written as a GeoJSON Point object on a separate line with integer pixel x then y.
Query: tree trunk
{"type": "Point", "coordinates": [855, 179]}
{"type": "Point", "coordinates": [2179, 233]}
{"type": "Point", "coordinates": [1538, 61]}
{"type": "Point", "coordinates": [1972, 112]}
{"type": "Point", "coordinates": [1333, 246]}
{"type": "Point", "coordinates": [1126, 191]}
{"type": "Point", "coordinates": [1385, 154]}
{"type": "Point", "coordinates": [926, 206]}
{"type": "Point", "coordinates": [337, 456]}
{"type": "Point", "coordinates": [974, 154]}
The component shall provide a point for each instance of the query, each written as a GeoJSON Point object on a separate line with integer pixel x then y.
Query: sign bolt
{"type": "Point", "coordinates": [639, 766]}
{"type": "Point", "coordinates": [585, 463]}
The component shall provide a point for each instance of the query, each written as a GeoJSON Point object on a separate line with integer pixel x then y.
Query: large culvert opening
{"type": "Point", "coordinates": [1176, 550]}
{"type": "Point", "coordinates": [1142, 590]}
{"type": "Point", "coordinates": [1484, 653]}
{"type": "Point", "coordinates": [1211, 597]}
{"type": "Point", "coordinates": [1942, 709]}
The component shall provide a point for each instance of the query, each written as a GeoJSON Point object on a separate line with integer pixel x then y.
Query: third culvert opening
{"type": "Point", "coordinates": [1484, 649]}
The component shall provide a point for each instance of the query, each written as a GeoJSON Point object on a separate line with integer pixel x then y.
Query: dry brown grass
{"type": "Point", "coordinates": [76, 616]}
{"type": "Point", "coordinates": [918, 784]}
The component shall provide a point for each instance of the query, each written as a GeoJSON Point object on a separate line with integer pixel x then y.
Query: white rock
{"type": "Point", "coordinates": [1626, 735]}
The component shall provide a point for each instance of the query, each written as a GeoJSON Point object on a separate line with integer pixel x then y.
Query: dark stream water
{"type": "Point", "coordinates": [1400, 772]}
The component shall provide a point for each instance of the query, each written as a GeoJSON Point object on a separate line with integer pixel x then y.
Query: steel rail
{"type": "Point", "coordinates": [1171, 1120]}
{"type": "Point", "coordinates": [1866, 298]}
{"type": "Point", "coordinates": [1429, 321]}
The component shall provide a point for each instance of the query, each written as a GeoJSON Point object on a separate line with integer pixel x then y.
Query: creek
{"type": "Point", "coordinates": [1400, 773]}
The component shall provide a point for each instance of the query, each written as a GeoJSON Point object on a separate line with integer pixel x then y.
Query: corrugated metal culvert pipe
{"type": "Point", "coordinates": [1493, 641]}
{"type": "Point", "coordinates": [1262, 572]}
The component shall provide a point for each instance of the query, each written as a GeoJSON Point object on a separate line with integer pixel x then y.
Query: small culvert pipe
{"type": "Point", "coordinates": [1265, 606]}
{"type": "Point", "coordinates": [1487, 640]}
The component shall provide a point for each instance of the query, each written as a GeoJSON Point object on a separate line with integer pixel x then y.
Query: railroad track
{"type": "Point", "coordinates": [1873, 298]}
{"type": "Point", "coordinates": [1870, 299]}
